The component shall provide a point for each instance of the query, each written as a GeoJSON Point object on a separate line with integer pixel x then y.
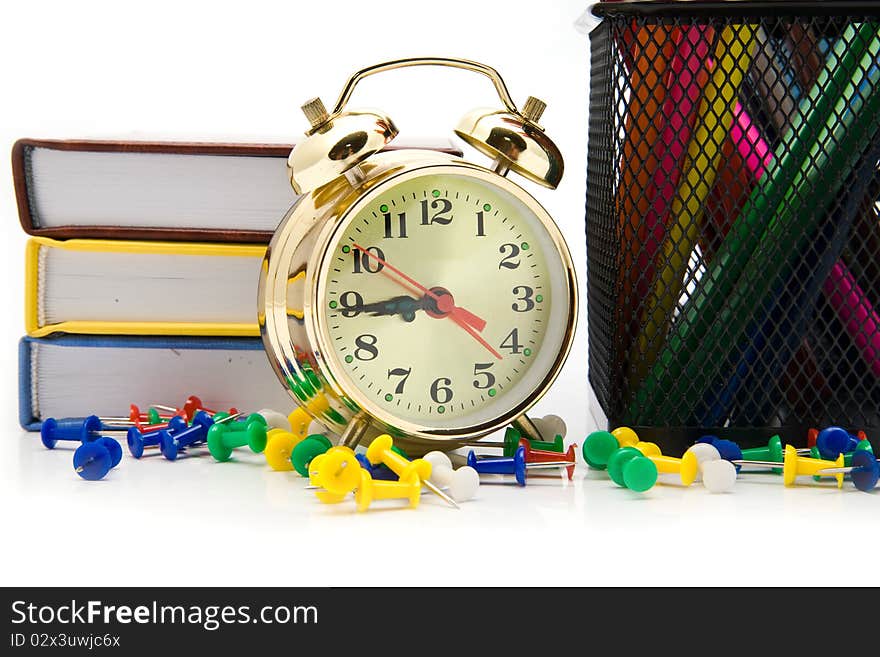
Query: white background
{"type": "Point", "coordinates": [240, 70]}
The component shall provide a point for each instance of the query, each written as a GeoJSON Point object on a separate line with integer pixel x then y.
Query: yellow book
{"type": "Point", "coordinates": [141, 288]}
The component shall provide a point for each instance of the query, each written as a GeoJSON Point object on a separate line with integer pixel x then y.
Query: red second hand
{"type": "Point", "coordinates": [477, 322]}
{"type": "Point", "coordinates": [457, 314]}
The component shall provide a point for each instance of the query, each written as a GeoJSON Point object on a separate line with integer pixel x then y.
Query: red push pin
{"type": "Point", "coordinates": [542, 456]}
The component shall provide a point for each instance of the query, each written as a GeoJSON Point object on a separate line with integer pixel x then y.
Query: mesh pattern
{"type": "Point", "coordinates": [733, 218]}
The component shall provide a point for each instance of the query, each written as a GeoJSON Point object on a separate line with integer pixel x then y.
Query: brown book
{"type": "Point", "coordinates": [140, 190]}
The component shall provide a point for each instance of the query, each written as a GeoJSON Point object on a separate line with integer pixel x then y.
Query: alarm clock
{"type": "Point", "coordinates": [412, 292]}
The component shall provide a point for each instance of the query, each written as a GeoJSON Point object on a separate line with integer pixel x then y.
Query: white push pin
{"type": "Point", "coordinates": [462, 483]}
{"type": "Point", "coordinates": [719, 476]}
{"type": "Point", "coordinates": [274, 419]}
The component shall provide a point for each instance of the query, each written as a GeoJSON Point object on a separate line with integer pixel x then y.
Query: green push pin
{"type": "Point", "coordinates": [629, 468]}
{"type": "Point", "coordinates": [253, 418]}
{"type": "Point", "coordinates": [511, 442]}
{"type": "Point", "coordinates": [222, 440]}
{"type": "Point", "coordinates": [308, 449]}
{"type": "Point", "coordinates": [772, 452]}
{"type": "Point", "coordinates": [598, 448]}
{"type": "Point", "coordinates": [399, 451]}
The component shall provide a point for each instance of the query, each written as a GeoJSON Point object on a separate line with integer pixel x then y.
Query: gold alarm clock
{"type": "Point", "coordinates": [412, 292]}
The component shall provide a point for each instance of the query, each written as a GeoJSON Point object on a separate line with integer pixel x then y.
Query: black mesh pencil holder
{"type": "Point", "coordinates": [733, 218]}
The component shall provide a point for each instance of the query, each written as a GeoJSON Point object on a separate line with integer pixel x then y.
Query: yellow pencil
{"type": "Point", "coordinates": [733, 55]}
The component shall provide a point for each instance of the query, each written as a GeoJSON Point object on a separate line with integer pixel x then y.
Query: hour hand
{"type": "Point", "coordinates": [404, 305]}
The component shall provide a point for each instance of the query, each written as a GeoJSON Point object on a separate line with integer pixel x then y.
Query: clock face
{"type": "Point", "coordinates": [443, 300]}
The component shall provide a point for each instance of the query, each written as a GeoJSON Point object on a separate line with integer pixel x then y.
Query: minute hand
{"type": "Point", "coordinates": [458, 312]}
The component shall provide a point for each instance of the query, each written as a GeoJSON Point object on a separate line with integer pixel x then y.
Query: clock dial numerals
{"type": "Point", "coordinates": [524, 302]}
{"type": "Point", "coordinates": [390, 225]}
{"type": "Point", "coordinates": [402, 375]}
{"type": "Point", "coordinates": [511, 342]}
{"type": "Point", "coordinates": [364, 263]}
{"type": "Point", "coordinates": [441, 393]}
{"type": "Point", "coordinates": [439, 208]}
{"type": "Point", "coordinates": [483, 378]}
{"type": "Point", "coordinates": [365, 347]}
{"type": "Point", "coordinates": [481, 227]}
{"type": "Point", "coordinates": [449, 327]}
{"type": "Point", "coordinates": [351, 303]}
{"type": "Point", "coordinates": [510, 259]}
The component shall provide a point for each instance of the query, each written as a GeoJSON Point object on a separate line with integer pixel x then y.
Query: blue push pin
{"type": "Point", "coordinates": [93, 460]}
{"type": "Point", "coordinates": [380, 471]}
{"type": "Point", "coordinates": [834, 441]}
{"type": "Point", "coordinates": [728, 450]}
{"type": "Point", "coordinates": [515, 465]}
{"type": "Point", "coordinates": [82, 429]}
{"type": "Point", "coordinates": [137, 441]}
{"type": "Point", "coordinates": [864, 471]}
{"type": "Point", "coordinates": [197, 433]}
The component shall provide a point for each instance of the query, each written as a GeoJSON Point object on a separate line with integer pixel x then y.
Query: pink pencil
{"type": "Point", "coordinates": [856, 312]}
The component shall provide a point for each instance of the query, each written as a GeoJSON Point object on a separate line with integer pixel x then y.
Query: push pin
{"type": "Point", "coordinates": [254, 419]}
{"type": "Point", "coordinates": [381, 451]}
{"type": "Point", "coordinates": [323, 495]}
{"type": "Point", "coordinates": [408, 488]}
{"type": "Point", "coordinates": [515, 465]}
{"type": "Point", "coordinates": [727, 449]}
{"type": "Point", "coordinates": [813, 436]}
{"type": "Point", "coordinates": [541, 456]}
{"type": "Point", "coordinates": [861, 446]}
{"type": "Point", "coordinates": [82, 429]}
{"type": "Point", "coordinates": [512, 439]}
{"type": "Point", "coordinates": [794, 466]}
{"type": "Point", "coordinates": [600, 445]}
{"type": "Point", "coordinates": [171, 444]}
{"type": "Point", "coordinates": [834, 441]}
{"type": "Point", "coordinates": [462, 483]}
{"type": "Point", "coordinates": [382, 471]}
{"type": "Point", "coordinates": [222, 439]}
{"type": "Point", "coordinates": [864, 471]}
{"type": "Point", "coordinates": [306, 450]}
{"type": "Point", "coordinates": [274, 419]}
{"type": "Point", "coordinates": [280, 444]}
{"type": "Point", "coordinates": [139, 440]}
{"type": "Point", "coordinates": [719, 475]}
{"type": "Point", "coordinates": [93, 460]}
{"type": "Point", "coordinates": [629, 468]}
{"type": "Point", "coordinates": [338, 471]}
{"type": "Point", "coordinates": [299, 421]}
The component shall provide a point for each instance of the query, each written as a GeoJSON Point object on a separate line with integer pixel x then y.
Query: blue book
{"type": "Point", "coordinates": [75, 375]}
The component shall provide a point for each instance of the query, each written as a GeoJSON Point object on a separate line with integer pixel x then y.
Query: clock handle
{"type": "Point", "coordinates": [450, 62]}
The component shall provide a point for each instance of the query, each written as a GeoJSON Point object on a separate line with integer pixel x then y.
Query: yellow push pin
{"type": "Point", "coordinates": [279, 446]}
{"type": "Point", "coordinates": [409, 487]}
{"type": "Point", "coordinates": [299, 422]}
{"type": "Point", "coordinates": [648, 449]}
{"type": "Point", "coordinates": [324, 496]}
{"type": "Point", "coordinates": [686, 467]}
{"type": "Point", "coordinates": [794, 466]}
{"type": "Point", "coordinates": [338, 472]}
{"type": "Point", "coordinates": [626, 437]}
{"type": "Point", "coordinates": [380, 451]}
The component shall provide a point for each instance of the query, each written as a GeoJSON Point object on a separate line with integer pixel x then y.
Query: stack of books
{"type": "Point", "coordinates": [142, 272]}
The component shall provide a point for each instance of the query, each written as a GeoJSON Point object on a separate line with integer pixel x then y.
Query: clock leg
{"type": "Point", "coordinates": [354, 432]}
